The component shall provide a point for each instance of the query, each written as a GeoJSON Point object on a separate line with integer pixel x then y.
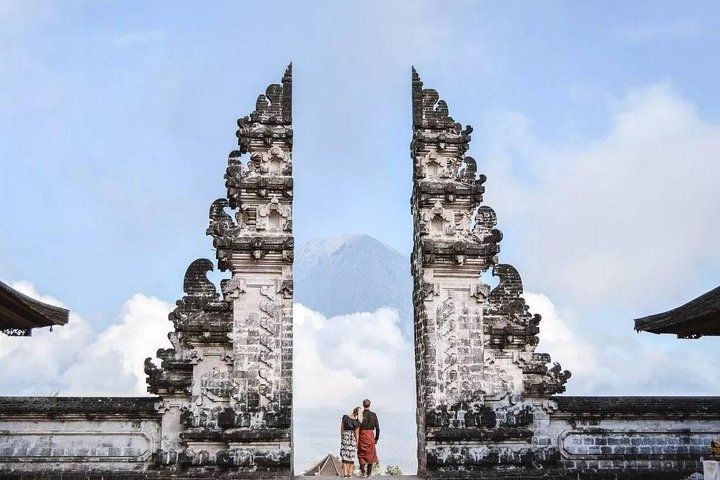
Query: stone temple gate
{"type": "Point", "coordinates": [487, 403]}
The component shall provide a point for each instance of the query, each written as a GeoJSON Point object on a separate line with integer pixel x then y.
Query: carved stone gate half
{"type": "Point", "coordinates": [226, 385]}
{"type": "Point", "coordinates": [480, 384]}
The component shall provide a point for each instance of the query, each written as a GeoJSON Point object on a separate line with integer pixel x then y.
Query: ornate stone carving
{"type": "Point", "coordinates": [271, 119]}
{"type": "Point", "coordinates": [273, 162]}
{"type": "Point", "coordinates": [432, 122]}
{"type": "Point", "coordinates": [216, 383]}
{"type": "Point", "coordinates": [196, 285]}
{"type": "Point", "coordinates": [233, 287]}
{"type": "Point", "coordinates": [273, 217]}
{"type": "Point", "coordinates": [485, 221]}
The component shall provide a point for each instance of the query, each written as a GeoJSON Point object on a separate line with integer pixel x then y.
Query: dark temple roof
{"type": "Point", "coordinates": [19, 314]}
{"type": "Point", "coordinates": [696, 318]}
{"type": "Point", "coordinates": [330, 466]}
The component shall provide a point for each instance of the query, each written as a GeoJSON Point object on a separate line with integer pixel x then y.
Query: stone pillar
{"type": "Point", "coordinates": [479, 383]}
{"type": "Point", "coordinates": [226, 385]}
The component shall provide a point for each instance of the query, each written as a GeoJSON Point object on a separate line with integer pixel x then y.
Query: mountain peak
{"type": "Point", "coordinates": [350, 273]}
{"type": "Point", "coordinates": [331, 244]}
{"type": "Point", "coordinates": [314, 250]}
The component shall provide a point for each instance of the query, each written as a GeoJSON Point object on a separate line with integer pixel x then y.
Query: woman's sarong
{"type": "Point", "coordinates": [347, 446]}
{"type": "Point", "coordinates": [366, 448]}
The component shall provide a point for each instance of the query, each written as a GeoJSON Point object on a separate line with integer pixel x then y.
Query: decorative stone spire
{"type": "Point", "coordinates": [479, 381]}
{"type": "Point", "coordinates": [432, 122]}
{"type": "Point", "coordinates": [226, 385]}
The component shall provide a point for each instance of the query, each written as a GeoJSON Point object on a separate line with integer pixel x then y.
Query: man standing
{"type": "Point", "coordinates": [369, 436]}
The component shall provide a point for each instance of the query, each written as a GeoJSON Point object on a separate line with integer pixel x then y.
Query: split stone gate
{"type": "Point", "coordinates": [486, 401]}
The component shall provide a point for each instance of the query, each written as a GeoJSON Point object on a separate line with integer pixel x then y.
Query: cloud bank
{"type": "Point", "coordinates": [626, 219]}
{"type": "Point", "coordinates": [77, 360]}
{"type": "Point", "coordinates": [342, 360]}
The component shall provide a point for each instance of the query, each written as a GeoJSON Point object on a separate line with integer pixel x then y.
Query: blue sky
{"type": "Point", "coordinates": [117, 118]}
{"type": "Point", "coordinates": [597, 123]}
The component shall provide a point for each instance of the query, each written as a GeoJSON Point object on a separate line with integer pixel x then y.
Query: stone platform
{"type": "Point", "coordinates": [391, 477]}
{"type": "Point", "coordinates": [558, 475]}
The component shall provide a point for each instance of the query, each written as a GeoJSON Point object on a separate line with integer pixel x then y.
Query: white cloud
{"type": "Point", "coordinates": [678, 30]}
{"type": "Point", "coordinates": [338, 361]}
{"type": "Point", "coordinates": [142, 329]}
{"type": "Point", "coordinates": [317, 384]}
{"type": "Point", "coordinates": [624, 363]}
{"type": "Point", "coordinates": [626, 218]}
{"type": "Point", "coordinates": [341, 360]}
{"type": "Point", "coordinates": [76, 360]}
{"type": "Point", "coordinates": [558, 338]}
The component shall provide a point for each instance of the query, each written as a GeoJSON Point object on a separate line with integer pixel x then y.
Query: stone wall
{"type": "Point", "coordinates": [50, 434]}
{"type": "Point", "coordinates": [650, 435]}
{"type": "Point", "coordinates": [614, 438]}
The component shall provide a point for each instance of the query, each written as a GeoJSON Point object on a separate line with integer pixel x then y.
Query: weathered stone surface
{"type": "Point", "coordinates": [625, 434]}
{"type": "Point", "coordinates": [479, 381]}
{"type": "Point", "coordinates": [485, 404]}
{"type": "Point", "coordinates": [76, 435]}
{"type": "Point", "coordinates": [135, 407]}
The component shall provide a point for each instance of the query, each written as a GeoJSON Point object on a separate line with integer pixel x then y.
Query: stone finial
{"type": "Point", "coordinates": [196, 283]}
{"type": "Point", "coordinates": [429, 111]}
{"type": "Point", "coordinates": [221, 226]}
{"type": "Point", "coordinates": [270, 121]}
{"type": "Point", "coordinates": [510, 285]}
{"type": "Point", "coordinates": [275, 105]}
{"type": "Point", "coordinates": [485, 222]}
{"type": "Point", "coordinates": [217, 211]}
{"type": "Point", "coordinates": [432, 123]}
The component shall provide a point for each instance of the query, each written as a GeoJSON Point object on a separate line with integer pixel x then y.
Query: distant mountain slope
{"type": "Point", "coordinates": [353, 273]}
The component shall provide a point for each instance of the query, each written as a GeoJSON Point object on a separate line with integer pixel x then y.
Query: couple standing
{"type": "Point", "coordinates": [359, 432]}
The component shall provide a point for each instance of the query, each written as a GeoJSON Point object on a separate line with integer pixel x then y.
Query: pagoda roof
{"type": "Point", "coordinates": [330, 466]}
{"type": "Point", "coordinates": [19, 313]}
{"type": "Point", "coordinates": [696, 318]}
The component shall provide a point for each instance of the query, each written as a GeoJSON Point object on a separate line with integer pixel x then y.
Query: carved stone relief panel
{"type": "Point", "coordinates": [273, 217]}
{"type": "Point", "coordinates": [276, 161]}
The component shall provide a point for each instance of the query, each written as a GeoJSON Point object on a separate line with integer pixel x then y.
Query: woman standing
{"type": "Point", "coordinates": [349, 430]}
